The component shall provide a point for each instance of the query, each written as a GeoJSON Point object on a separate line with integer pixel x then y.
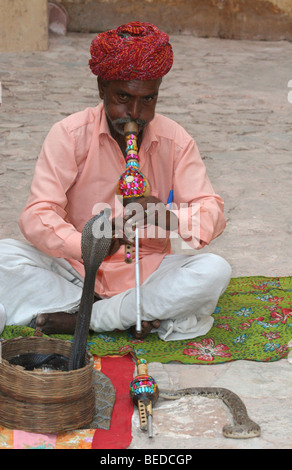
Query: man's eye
{"type": "Point", "coordinates": [151, 100]}
{"type": "Point", "coordinates": [123, 97]}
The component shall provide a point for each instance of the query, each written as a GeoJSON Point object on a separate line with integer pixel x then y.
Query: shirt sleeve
{"type": "Point", "coordinates": [44, 219]}
{"type": "Point", "coordinates": [199, 210]}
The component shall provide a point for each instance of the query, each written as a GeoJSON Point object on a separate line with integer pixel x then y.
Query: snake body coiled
{"type": "Point", "coordinates": [242, 428]}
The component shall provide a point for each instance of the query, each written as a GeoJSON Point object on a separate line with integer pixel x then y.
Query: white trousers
{"type": "Point", "coordinates": [183, 292]}
{"type": "Point", "coordinates": [2, 318]}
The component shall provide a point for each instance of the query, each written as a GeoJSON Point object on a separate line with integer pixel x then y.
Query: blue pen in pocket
{"type": "Point", "coordinates": [170, 199]}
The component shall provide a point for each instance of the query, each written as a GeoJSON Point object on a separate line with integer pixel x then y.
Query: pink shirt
{"type": "Point", "coordinates": [78, 168]}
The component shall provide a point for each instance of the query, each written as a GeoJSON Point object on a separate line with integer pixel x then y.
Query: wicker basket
{"type": "Point", "coordinates": [46, 402]}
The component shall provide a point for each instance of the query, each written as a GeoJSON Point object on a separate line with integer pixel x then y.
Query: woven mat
{"type": "Point", "coordinates": [252, 321]}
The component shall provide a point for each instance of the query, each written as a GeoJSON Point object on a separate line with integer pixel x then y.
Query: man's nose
{"type": "Point", "coordinates": [134, 110]}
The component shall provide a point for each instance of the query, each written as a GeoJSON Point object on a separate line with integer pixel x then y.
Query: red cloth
{"type": "Point", "coordinates": [133, 51]}
{"type": "Point", "coordinates": [120, 371]}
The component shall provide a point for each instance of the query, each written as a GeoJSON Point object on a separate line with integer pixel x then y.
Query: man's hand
{"type": "Point", "coordinates": [119, 237]}
{"type": "Point", "coordinates": [150, 210]}
{"type": "Point", "coordinates": [141, 212]}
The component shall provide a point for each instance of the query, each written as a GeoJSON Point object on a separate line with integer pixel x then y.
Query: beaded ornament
{"type": "Point", "coordinates": [132, 183]}
{"type": "Point", "coordinates": [143, 386]}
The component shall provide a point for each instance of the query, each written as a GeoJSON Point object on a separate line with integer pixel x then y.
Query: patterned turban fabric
{"type": "Point", "coordinates": [133, 51]}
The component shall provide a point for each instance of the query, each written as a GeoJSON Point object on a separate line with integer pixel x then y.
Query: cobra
{"type": "Point", "coordinates": [95, 243]}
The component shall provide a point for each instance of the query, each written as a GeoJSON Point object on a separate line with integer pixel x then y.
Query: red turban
{"type": "Point", "coordinates": [133, 51]}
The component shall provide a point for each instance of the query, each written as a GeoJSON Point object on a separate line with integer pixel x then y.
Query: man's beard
{"type": "Point", "coordinates": [116, 124]}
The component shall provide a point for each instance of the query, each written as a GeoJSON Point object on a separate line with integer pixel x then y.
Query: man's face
{"type": "Point", "coordinates": [125, 101]}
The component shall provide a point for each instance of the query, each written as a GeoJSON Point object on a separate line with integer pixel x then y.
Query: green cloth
{"type": "Point", "coordinates": [252, 321]}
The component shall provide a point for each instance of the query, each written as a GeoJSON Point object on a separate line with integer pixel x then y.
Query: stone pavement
{"type": "Point", "coordinates": [232, 97]}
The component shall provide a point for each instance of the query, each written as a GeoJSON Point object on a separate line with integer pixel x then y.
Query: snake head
{"type": "Point", "coordinates": [96, 238]}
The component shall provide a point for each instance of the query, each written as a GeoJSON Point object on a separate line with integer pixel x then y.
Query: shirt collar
{"type": "Point", "coordinates": [104, 127]}
{"type": "Point", "coordinates": [149, 136]}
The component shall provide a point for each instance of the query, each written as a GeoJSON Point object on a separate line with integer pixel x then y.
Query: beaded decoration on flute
{"type": "Point", "coordinates": [144, 393]}
{"type": "Point", "coordinates": [142, 384]}
{"type": "Point", "coordinates": [132, 183]}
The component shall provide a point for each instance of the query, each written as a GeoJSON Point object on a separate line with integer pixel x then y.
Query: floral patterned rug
{"type": "Point", "coordinates": [252, 321]}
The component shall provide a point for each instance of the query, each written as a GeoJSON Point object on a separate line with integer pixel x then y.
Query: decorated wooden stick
{"type": "Point", "coordinates": [144, 393]}
{"type": "Point", "coordinates": [137, 278]}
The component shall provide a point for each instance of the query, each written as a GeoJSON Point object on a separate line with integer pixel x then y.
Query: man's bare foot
{"type": "Point", "coordinates": [146, 327]}
{"type": "Point", "coordinates": [61, 323]}
{"type": "Point", "coordinates": [56, 323]}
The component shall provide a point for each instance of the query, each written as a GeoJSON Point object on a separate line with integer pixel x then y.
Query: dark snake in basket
{"type": "Point", "coordinates": [31, 361]}
{"type": "Point", "coordinates": [95, 244]}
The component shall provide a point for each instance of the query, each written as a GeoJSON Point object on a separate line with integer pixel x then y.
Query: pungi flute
{"type": "Point", "coordinates": [144, 393]}
{"type": "Point", "coordinates": [132, 184]}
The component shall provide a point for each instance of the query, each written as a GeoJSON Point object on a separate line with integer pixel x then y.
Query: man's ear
{"type": "Point", "coordinates": [101, 87]}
